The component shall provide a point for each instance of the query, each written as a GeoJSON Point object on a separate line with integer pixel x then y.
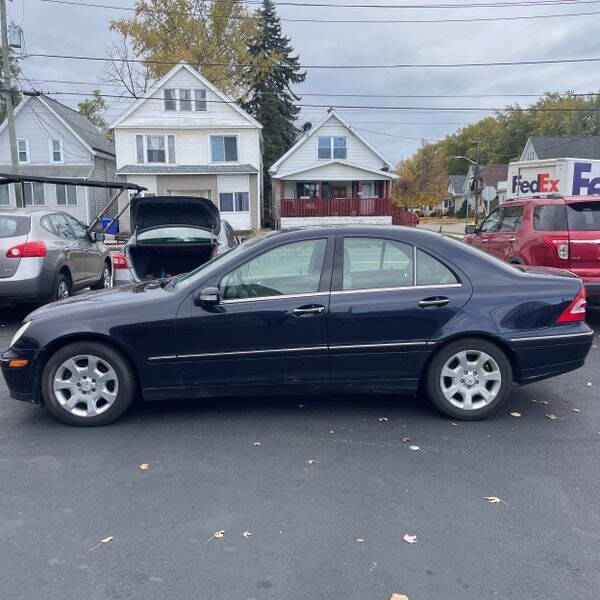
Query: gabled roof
{"type": "Point", "coordinates": [205, 82]}
{"type": "Point", "coordinates": [492, 174]}
{"type": "Point", "coordinates": [79, 125]}
{"type": "Point", "coordinates": [325, 163]}
{"type": "Point", "coordinates": [458, 183]}
{"type": "Point", "coordinates": [566, 146]}
{"type": "Point", "coordinates": [331, 114]}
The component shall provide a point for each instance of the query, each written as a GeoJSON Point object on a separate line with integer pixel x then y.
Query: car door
{"type": "Point", "coordinates": [92, 257]}
{"type": "Point", "coordinates": [488, 228]}
{"type": "Point", "coordinates": [388, 300]}
{"type": "Point", "coordinates": [502, 243]}
{"type": "Point", "coordinates": [75, 256]}
{"type": "Point", "coordinates": [270, 326]}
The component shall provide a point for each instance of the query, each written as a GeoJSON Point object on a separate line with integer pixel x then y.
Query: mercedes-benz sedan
{"type": "Point", "coordinates": [354, 309]}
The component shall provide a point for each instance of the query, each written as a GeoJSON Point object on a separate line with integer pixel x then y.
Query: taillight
{"type": "Point", "coordinates": [575, 311]}
{"type": "Point", "coordinates": [27, 250]}
{"type": "Point", "coordinates": [560, 244]}
{"type": "Point", "coordinates": [119, 261]}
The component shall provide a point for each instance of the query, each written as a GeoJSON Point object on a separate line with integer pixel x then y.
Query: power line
{"type": "Point", "coordinates": [507, 63]}
{"type": "Point", "coordinates": [343, 21]}
{"type": "Point", "coordinates": [402, 137]}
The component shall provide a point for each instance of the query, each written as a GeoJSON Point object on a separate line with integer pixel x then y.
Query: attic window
{"type": "Point", "coordinates": [331, 147]}
{"type": "Point", "coordinates": [170, 99]}
{"type": "Point", "coordinates": [185, 100]}
{"type": "Point", "coordinates": [531, 156]}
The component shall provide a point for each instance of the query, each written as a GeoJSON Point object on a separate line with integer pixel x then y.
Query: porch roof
{"type": "Point", "coordinates": [335, 170]}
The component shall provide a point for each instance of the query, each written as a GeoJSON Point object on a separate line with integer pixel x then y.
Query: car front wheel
{"type": "Point", "coordinates": [106, 279]}
{"type": "Point", "coordinates": [469, 379]}
{"type": "Point", "coordinates": [87, 384]}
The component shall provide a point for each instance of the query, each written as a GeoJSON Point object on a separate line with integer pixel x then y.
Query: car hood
{"type": "Point", "coordinates": [153, 211]}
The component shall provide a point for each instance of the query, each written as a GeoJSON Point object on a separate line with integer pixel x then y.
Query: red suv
{"type": "Point", "coordinates": [546, 231]}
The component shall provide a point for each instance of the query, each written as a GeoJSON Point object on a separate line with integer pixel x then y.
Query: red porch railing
{"type": "Point", "coordinates": [335, 207]}
{"type": "Point", "coordinates": [401, 216]}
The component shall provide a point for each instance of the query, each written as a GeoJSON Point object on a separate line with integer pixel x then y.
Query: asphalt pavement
{"type": "Point", "coordinates": [327, 486]}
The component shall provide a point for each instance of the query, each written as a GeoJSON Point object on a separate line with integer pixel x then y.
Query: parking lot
{"type": "Point", "coordinates": [326, 486]}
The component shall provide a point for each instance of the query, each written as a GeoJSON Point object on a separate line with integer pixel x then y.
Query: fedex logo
{"type": "Point", "coordinates": [584, 186]}
{"type": "Point", "coordinates": [541, 184]}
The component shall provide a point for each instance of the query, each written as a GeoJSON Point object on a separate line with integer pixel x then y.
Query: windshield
{"type": "Point", "coordinates": [178, 235]}
{"type": "Point", "coordinates": [222, 260]}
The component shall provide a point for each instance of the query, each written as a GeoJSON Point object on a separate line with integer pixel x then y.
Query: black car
{"type": "Point", "coordinates": [354, 309]}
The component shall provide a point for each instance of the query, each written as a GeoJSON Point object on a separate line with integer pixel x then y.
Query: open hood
{"type": "Point", "coordinates": [154, 211]}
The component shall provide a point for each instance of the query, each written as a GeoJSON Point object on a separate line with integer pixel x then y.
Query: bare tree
{"type": "Point", "coordinates": [122, 72]}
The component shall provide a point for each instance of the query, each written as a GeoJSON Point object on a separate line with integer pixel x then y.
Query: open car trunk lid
{"type": "Point", "coordinates": [153, 211]}
{"type": "Point", "coordinates": [583, 217]}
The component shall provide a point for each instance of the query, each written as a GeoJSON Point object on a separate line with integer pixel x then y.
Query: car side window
{"type": "Point", "coordinates": [430, 271]}
{"type": "Point", "coordinates": [46, 224]}
{"type": "Point", "coordinates": [511, 221]}
{"type": "Point", "coordinates": [293, 268]}
{"type": "Point", "coordinates": [78, 229]}
{"type": "Point", "coordinates": [491, 223]}
{"type": "Point", "coordinates": [62, 227]}
{"type": "Point", "coordinates": [376, 263]}
{"type": "Point", "coordinates": [550, 217]}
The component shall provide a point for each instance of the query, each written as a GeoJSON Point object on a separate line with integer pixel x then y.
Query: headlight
{"type": "Point", "coordinates": [19, 333]}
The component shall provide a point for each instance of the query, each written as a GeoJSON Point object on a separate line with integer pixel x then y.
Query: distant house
{"type": "Point", "coordinates": [332, 175]}
{"type": "Point", "coordinates": [54, 140]}
{"type": "Point", "coordinates": [493, 177]}
{"type": "Point", "coordinates": [186, 137]}
{"type": "Point", "coordinates": [543, 147]}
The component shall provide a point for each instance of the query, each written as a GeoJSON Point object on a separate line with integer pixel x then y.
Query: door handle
{"type": "Point", "coordinates": [484, 239]}
{"type": "Point", "coordinates": [314, 309]}
{"type": "Point", "coordinates": [434, 302]}
{"type": "Point", "coordinates": [512, 238]}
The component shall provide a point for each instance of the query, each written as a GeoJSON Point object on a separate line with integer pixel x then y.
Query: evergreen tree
{"type": "Point", "coordinates": [273, 69]}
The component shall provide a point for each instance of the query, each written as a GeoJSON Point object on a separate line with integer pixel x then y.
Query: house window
{"type": "Point", "coordinates": [531, 156]}
{"type": "Point", "coordinates": [306, 190]}
{"type": "Point", "coordinates": [368, 189]}
{"type": "Point", "coordinates": [23, 148]}
{"type": "Point", "coordinates": [155, 149]}
{"type": "Point", "coordinates": [56, 151]}
{"type": "Point", "coordinates": [331, 147]}
{"type": "Point", "coordinates": [66, 195]}
{"type": "Point", "coordinates": [34, 194]}
{"type": "Point", "coordinates": [234, 202]}
{"type": "Point", "coordinates": [169, 98]}
{"type": "Point", "coordinates": [224, 148]}
{"type": "Point", "coordinates": [4, 196]}
{"type": "Point", "coordinates": [185, 100]}
{"type": "Point", "coordinates": [200, 100]}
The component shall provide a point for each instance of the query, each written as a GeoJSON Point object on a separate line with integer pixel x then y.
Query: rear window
{"type": "Point", "coordinates": [174, 235]}
{"type": "Point", "coordinates": [550, 217]}
{"type": "Point", "coordinates": [584, 216]}
{"type": "Point", "coordinates": [14, 226]}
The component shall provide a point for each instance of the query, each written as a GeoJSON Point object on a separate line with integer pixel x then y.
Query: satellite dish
{"type": "Point", "coordinates": [307, 126]}
{"type": "Point", "coordinates": [489, 193]}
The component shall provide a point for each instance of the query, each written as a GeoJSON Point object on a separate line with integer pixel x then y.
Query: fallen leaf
{"type": "Point", "coordinates": [552, 416]}
{"type": "Point", "coordinates": [410, 539]}
{"type": "Point", "coordinates": [589, 384]}
{"type": "Point", "coordinates": [383, 419]}
{"type": "Point", "coordinates": [312, 461]}
{"type": "Point", "coordinates": [331, 431]}
{"type": "Point", "coordinates": [399, 597]}
{"type": "Point", "coordinates": [257, 444]}
{"type": "Point", "coordinates": [360, 540]}
{"type": "Point", "coordinates": [414, 448]}
{"type": "Point", "coordinates": [540, 401]}
{"type": "Point", "coordinates": [575, 410]}
{"type": "Point", "coordinates": [515, 414]}
{"type": "Point", "coordinates": [217, 535]}
{"type": "Point", "coordinates": [405, 440]}
{"type": "Point", "coordinates": [144, 466]}
{"type": "Point", "coordinates": [454, 424]}
{"type": "Point", "coordinates": [493, 499]}
{"type": "Point", "coordinates": [106, 540]}
{"type": "Point", "coordinates": [246, 534]}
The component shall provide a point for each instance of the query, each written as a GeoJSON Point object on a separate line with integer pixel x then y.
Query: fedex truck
{"type": "Point", "coordinates": [564, 176]}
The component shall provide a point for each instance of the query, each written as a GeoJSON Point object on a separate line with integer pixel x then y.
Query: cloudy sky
{"type": "Point", "coordinates": [62, 29]}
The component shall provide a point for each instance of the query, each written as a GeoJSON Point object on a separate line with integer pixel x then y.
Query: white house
{"type": "Point", "coordinates": [186, 137]}
{"type": "Point", "coordinates": [332, 175]}
{"type": "Point", "coordinates": [54, 140]}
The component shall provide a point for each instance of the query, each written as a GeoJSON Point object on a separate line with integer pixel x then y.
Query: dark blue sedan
{"type": "Point", "coordinates": [351, 309]}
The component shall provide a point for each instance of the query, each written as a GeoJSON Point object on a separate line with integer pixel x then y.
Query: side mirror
{"type": "Point", "coordinates": [208, 297]}
{"type": "Point", "coordinates": [469, 229]}
{"type": "Point", "coordinates": [99, 236]}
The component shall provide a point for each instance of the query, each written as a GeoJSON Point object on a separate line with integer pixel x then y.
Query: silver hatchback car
{"type": "Point", "coordinates": [47, 255]}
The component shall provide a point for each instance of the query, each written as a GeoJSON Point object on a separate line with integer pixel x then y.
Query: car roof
{"type": "Point", "coordinates": [550, 200]}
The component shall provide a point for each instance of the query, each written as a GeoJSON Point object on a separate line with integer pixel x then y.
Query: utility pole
{"type": "Point", "coordinates": [7, 91]}
{"type": "Point", "coordinates": [477, 189]}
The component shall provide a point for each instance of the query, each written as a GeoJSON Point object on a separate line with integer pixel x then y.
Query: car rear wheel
{"type": "Point", "coordinates": [469, 379]}
{"type": "Point", "coordinates": [88, 384]}
{"type": "Point", "coordinates": [63, 287]}
{"type": "Point", "coordinates": [106, 279]}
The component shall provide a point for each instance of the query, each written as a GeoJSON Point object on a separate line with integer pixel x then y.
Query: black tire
{"type": "Point", "coordinates": [62, 288]}
{"type": "Point", "coordinates": [433, 384]}
{"type": "Point", "coordinates": [104, 278]}
{"type": "Point", "coordinates": [125, 392]}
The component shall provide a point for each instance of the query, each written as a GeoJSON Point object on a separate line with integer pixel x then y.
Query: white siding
{"type": "Point", "coordinates": [240, 221]}
{"type": "Point", "coordinates": [306, 154]}
{"type": "Point", "coordinates": [218, 114]}
{"type": "Point", "coordinates": [335, 172]}
{"type": "Point", "coordinates": [192, 146]}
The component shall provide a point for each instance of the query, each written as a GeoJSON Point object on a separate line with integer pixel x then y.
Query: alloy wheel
{"type": "Point", "coordinates": [85, 385]}
{"type": "Point", "coordinates": [470, 379]}
{"type": "Point", "coordinates": [106, 277]}
{"type": "Point", "coordinates": [62, 291]}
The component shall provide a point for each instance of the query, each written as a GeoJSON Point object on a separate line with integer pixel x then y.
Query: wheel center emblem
{"type": "Point", "coordinates": [86, 386]}
{"type": "Point", "coordinates": [470, 379]}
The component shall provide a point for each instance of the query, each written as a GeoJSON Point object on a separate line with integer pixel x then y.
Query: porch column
{"type": "Point", "coordinates": [319, 189]}
{"type": "Point", "coordinates": [359, 188]}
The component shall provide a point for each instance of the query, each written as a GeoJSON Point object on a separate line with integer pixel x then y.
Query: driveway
{"type": "Point", "coordinates": [327, 486]}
